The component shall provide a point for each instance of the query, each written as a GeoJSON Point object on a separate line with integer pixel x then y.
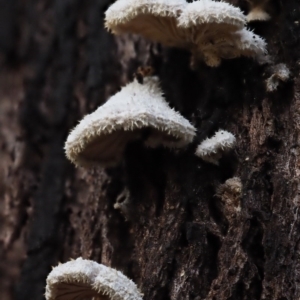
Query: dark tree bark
{"type": "Point", "coordinates": [180, 231]}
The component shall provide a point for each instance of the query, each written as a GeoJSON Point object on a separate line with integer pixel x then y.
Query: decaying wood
{"type": "Point", "coordinates": [178, 230]}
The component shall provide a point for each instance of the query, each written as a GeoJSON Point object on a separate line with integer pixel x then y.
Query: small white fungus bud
{"type": "Point", "coordinates": [86, 279]}
{"type": "Point", "coordinates": [230, 193]}
{"type": "Point", "coordinates": [211, 149]}
{"type": "Point", "coordinates": [280, 73]}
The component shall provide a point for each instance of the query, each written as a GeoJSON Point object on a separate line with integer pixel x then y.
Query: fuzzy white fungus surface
{"type": "Point", "coordinates": [81, 278]}
{"type": "Point", "coordinates": [212, 148]}
{"type": "Point", "coordinates": [100, 137]}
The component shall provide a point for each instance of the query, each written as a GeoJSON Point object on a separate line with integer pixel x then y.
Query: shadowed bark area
{"type": "Point", "coordinates": [181, 230]}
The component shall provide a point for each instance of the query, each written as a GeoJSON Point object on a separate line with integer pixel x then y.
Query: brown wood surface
{"type": "Point", "coordinates": [176, 233]}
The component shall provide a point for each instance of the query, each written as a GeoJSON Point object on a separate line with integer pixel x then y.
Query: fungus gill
{"type": "Point", "coordinates": [211, 149]}
{"type": "Point", "coordinates": [83, 279]}
{"type": "Point", "coordinates": [138, 111]}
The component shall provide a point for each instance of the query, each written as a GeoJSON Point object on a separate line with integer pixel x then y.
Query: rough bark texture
{"type": "Point", "coordinates": [180, 232]}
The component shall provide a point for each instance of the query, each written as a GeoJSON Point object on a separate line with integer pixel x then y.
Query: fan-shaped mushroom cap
{"type": "Point", "coordinates": [217, 32]}
{"type": "Point", "coordinates": [231, 45]}
{"type": "Point", "coordinates": [82, 279]}
{"type": "Point", "coordinates": [100, 138]}
{"type": "Point", "coordinates": [153, 19]}
{"type": "Point", "coordinates": [212, 148]}
{"type": "Point", "coordinates": [250, 44]}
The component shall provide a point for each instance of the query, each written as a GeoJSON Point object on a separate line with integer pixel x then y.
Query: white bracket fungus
{"type": "Point", "coordinates": [85, 279]}
{"type": "Point", "coordinates": [257, 11]}
{"type": "Point", "coordinates": [280, 73]}
{"type": "Point", "coordinates": [210, 30]}
{"type": "Point", "coordinates": [101, 137]}
{"type": "Point", "coordinates": [153, 19]}
{"type": "Point", "coordinates": [211, 149]}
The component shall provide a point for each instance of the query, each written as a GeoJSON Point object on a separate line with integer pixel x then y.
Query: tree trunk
{"type": "Point", "coordinates": [180, 231]}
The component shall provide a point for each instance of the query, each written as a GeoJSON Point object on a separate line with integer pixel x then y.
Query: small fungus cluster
{"type": "Point", "coordinates": [210, 30]}
{"type": "Point", "coordinates": [86, 279]}
{"type": "Point", "coordinates": [154, 19]}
